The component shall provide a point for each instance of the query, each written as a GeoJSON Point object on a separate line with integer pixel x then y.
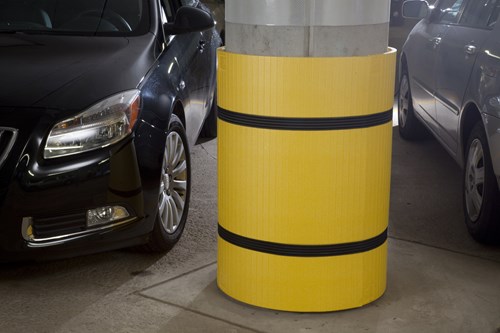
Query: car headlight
{"type": "Point", "coordinates": [99, 126]}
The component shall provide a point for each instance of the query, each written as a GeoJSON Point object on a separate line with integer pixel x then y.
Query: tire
{"type": "Point", "coordinates": [410, 128]}
{"type": "Point", "coordinates": [175, 190]}
{"type": "Point", "coordinates": [209, 129]}
{"type": "Point", "coordinates": [481, 196]}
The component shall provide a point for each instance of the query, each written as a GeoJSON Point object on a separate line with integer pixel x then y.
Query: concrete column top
{"type": "Point", "coordinates": [308, 12]}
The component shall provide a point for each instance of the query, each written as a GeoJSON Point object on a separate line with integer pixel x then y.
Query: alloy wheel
{"type": "Point", "coordinates": [404, 101]}
{"type": "Point", "coordinates": [474, 179]}
{"type": "Point", "coordinates": [174, 182]}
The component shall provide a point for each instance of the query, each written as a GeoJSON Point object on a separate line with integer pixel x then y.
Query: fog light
{"type": "Point", "coordinates": [103, 215]}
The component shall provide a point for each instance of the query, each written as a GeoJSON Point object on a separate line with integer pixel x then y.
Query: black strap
{"type": "Point", "coordinates": [303, 250]}
{"type": "Point", "coordinates": [305, 124]}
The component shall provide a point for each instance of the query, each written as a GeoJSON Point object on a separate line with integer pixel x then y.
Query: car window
{"type": "Point", "coordinates": [494, 15]}
{"type": "Point", "coordinates": [167, 11]}
{"type": "Point", "coordinates": [449, 11]}
{"type": "Point", "coordinates": [478, 13]}
{"type": "Point", "coordinates": [189, 2]}
{"type": "Point", "coordinates": [117, 17]}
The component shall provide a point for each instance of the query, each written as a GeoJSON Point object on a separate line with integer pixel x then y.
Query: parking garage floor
{"type": "Point", "coordinates": [439, 279]}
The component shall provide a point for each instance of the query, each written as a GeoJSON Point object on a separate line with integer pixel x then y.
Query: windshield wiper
{"type": "Point", "coordinates": [17, 31]}
{"type": "Point", "coordinates": [46, 32]}
{"type": "Point", "coordinates": [58, 32]}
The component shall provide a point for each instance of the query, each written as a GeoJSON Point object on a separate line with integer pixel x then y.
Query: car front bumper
{"type": "Point", "coordinates": [44, 204]}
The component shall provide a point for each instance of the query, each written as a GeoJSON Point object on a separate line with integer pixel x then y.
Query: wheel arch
{"type": "Point", "coordinates": [178, 110]}
{"type": "Point", "coordinates": [470, 116]}
{"type": "Point", "coordinates": [403, 66]}
{"type": "Point", "coordinates": [404, 61]}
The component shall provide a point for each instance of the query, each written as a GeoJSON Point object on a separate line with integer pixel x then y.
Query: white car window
{"type": "Point", "coordinates": [449, 11]}
{"type": "Point", "coordinates": [494, 15]}
{"type": "Point", "coordinates": [477, 13]}
{"type": "Point", "coordinates": [189, 2]}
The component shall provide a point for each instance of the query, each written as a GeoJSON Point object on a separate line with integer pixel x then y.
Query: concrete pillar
{"type": "Point", "coordinates": [305, 94]}
{"type": "Point", "coordinates": [307, 28]}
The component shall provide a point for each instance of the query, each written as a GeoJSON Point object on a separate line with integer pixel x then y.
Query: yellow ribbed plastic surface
{"type": "Point", "coordinates": [298, 283]}
{"type": "Point", "coordinates": [304, 187]}
{"type": "Point", "coordinates": [306, 87]}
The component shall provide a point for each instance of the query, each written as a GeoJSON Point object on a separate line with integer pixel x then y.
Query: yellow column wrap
{"type": "Point", "coordinates": [304, 187]}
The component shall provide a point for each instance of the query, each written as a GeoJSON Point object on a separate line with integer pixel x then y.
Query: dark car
{"type": "Point", "coordinates": [99, 104]}
{"type": "Point", "coordinates": [450, 82]}
{"type": "Point", "coordinates": [396, 13]}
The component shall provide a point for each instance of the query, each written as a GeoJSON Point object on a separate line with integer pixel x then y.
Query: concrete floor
{"type": "Point", "coordinates": [439, 279]}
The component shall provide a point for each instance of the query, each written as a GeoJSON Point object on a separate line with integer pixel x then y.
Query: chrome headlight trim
{"type": "Point", "coordinates": [103, 124]}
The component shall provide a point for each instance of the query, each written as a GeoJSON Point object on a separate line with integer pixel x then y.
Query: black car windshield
{"type": "Point", "coordinates": [75, 17]}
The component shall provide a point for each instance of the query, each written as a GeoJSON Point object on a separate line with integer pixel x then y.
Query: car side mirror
{"type": "Point", "coordinates": [189, 19]}
{"type": "Point", "coordinates": [415, 9]}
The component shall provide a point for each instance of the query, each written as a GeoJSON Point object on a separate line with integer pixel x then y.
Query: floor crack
{"type": "Point", "coordinates": [444, 249]}
{"type": "Point", "coordinates": [208, 153]}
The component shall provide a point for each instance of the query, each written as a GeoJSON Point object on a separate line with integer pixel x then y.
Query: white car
{"type": "Point", "coordinates": [450, 65]}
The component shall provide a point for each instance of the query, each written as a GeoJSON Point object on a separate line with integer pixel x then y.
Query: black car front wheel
{"type": "Point", "coordinates": [480, 190]}
{"type": "Point", "coordinates": [175, 188]}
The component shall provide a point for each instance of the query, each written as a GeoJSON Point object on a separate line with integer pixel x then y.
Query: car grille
{"type": "Point", "coordinates": [59, 225]}
{"type": "Point", "coordinates": [7, 138]}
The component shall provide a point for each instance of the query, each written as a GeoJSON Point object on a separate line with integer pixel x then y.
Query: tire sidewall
{"type": "Point", "coordinates": [404, 77]}
{"type": "Point", "coordinates": [406, 131]}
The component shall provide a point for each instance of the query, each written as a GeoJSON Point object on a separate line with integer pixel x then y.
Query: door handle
{"type": "Point", "coordinates": [436, 41]}
{"type": "Point", "coordinates": [470, 49]}
{"type": "Point", "coordinates": [201, 45]}
{"type": "Point", "coordinates": [181, 85]}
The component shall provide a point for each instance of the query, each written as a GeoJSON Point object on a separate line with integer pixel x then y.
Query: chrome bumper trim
{"type": "Point", "coordinates": [33, 242]}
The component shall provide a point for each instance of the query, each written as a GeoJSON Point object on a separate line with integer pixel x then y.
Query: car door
{"type": "Point", "coordinates": [207, 54]}
{"type": "Point", "coordinates": [422, 61]}
{"type": "Point", "coordinates": [485, 87]}
{"type": "Point", "coordinates": [456, 56]}
{"type": "Point", "coordinates": [189, 64]}
{"type": "Point", "coordinates": [204, 74]}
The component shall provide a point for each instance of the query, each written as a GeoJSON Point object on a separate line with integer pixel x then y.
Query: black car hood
{"type": "Point", "coordinates": [70, 72]}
